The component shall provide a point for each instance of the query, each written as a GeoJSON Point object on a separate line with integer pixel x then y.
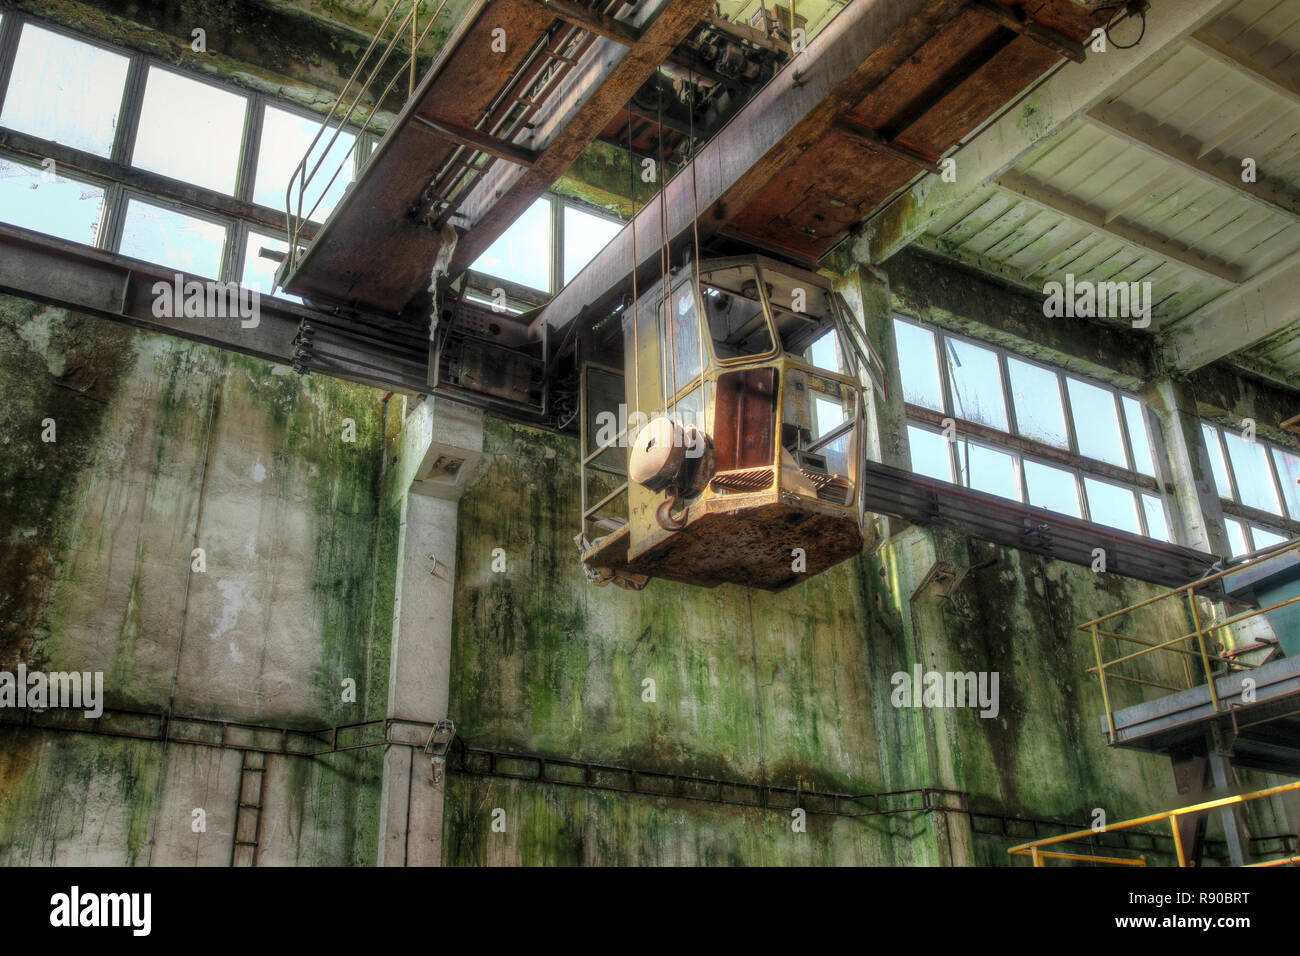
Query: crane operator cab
{"type": "Point", "coordinates": [730, 446]}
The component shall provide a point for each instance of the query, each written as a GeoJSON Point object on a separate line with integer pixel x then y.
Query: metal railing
{"type": "Point", "coordinates": [1039, 855]}
{"type": "Point", "coordinates": [1106, 627]}
{"type": "Point", "coordinates": [345, 106]}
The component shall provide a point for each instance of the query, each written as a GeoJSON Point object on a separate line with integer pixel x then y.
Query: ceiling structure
{"type": "Point", "coordinates": [1147, 185]}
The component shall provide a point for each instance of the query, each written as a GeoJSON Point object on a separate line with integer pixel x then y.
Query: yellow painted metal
{"type": "Point", "coordinates": [1034, 849]}
{"type": "Point", "coordinates": [1201, 631]}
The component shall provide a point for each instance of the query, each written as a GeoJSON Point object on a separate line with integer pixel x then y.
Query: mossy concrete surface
{"type": "Point", "coordinates": [161, 447]}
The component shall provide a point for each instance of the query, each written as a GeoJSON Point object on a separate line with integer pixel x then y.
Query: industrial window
{"type": "Point", "coordinates": [327, 171]}
{"type": "Point", "coordinates": [190, 130]}
{"type": "Point", "coordinates": [733, 306]}
{"type": "Point", "coordinates": [259, 272]}
{"type": "Point", "coordinates": [65, 90]}
{"type": "Point", "coordinates": [585, 234]}
{"type": "Point", "coordinates": [1257, 483]}
{"type": "Point", "coordinates": [147, 117]}
{"type": "Point", "coordinates": [173, 238]}
{"type": "Point", "coordinates": [522, 254]}
{"type": "Point", "coordinates": [1007, 426]}
{"type": "Point", "coordinates": [39, 199]}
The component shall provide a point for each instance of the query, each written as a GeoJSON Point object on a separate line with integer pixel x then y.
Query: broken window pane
{"type": "Point", "coordinates": [1157, 525]}
{"type": "Point", "coordinates": [1288, 473]}
{"type": "Point", "coordinates": [988, 470]}
{"type": "Point", "coordinates": [259, 271]}
{"type": "Point", "coordinates": [976, 384]}
{"type": "Point", "coordinates": [65, 90]}
{"type": "Point", "coordinates": [918, 366]}
{"type": "Point", "coordinates": [1052, 488]}
{"type": "Point", "coordinates": [1217, 463]}
{"type": "Point", "coordinates": [930, 455]}
{"type": "Point", "coordinates": [1264, 538]}
{"type": "Point", "coordinates": [173, 239]}
{"type": "Point", "coordinates": [522, 253]}
{"type": "Point", "coordinates": [1036, 395]}
{"type": "Point", "coordinates": [1237, 537]}
{"type": "Point", "coordinates": [1096, 422]}
{"type": "Point", "coordinates": [584, 236]}
{"type": "Point", "coordinates": [190, 131]}
{"type": "Point", "coordinates": [1112, 505]}
{"type": "Point", "coordinates": [1135, 415]}
{"type": "Point", "coordinates": [37, 199]}
{"type": "Point", "coordinates": [1250, 468]}
{"type": "Point", "coordinates": [285, 139]}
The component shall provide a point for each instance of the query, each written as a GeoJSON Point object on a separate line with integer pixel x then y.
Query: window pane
{"type": "Point", "coordinates": [1135, 415]}
{"type": "Point", "coordinates": [1037, 399]}
{"type": "Point", "coordinates": [285, 139]}
{"type": "Point", "coordinates": [1288, 473]}
{"type": "Point", "coordinates": [1112, 505]}
{"type": "Point", "coordinates": [976, 384]}
{"type": "Point", "coordinates": [918, 367]}
{"type": "Point", "coordinates": [1154, 509]}
{"type": "Point", "coordinates": [522, 254]}
{"type": "Point", "coordinates": [737, 323]}
{"type": "Point", "coordinates": [1265, 539]}
{"type": "Point", "coordinates": [1052, 488]}
{"type": "Point", "coordinates": [986, 469]}
{"type": "Point", "coordinates": [1237, 537]}
{"type": "Point", "coordinates": [173, 239]}
{"type": "Point", "coordinates": [584, 236]}
{"type": "Point", "coordinates": [930, 454]}
{"type": "Point", "coordinates": [1096, 424]}
{"type": "Point", "coordinates": [37, 199]}
{"type": "Point", "coordinates": [1250, 468]}
{"type": "Point", "coordinates": [1212, 445]}
{"type": "Point", "coordinates": [65, 90]}
{"type": "Point", "coordinates": [190, 131]}
{"type": "Point", "coordinates": [825, 352]}
{"type": "Point", "coordinates": [682, 354]}
{"type": "Point", "coordinates": [259, 272]}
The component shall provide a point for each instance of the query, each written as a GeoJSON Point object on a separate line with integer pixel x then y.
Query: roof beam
{"type": "Point", "coordinates": [1038, 117]}
{"type": "Point", "coordinates": [497, 200]}
{"type": "Point", "coordinates": [1267, 77]}
{"type": "Point", "coordinates": [1096, 221]}
{"type": "Point", "coordinates": [1052, 39]}
{"type": "Point", "coordinates": [1236, 320]}
{"type": "Point", "coordinates": [1172, 151]}
{"type": "Point", "coordinates": [593, 22]}
{"type": "Point", "coordinates": [862, 45]}
{"type": "Point", "coordinates": [868, 137]}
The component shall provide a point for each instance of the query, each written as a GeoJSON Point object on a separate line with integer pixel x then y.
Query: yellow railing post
{"type": "Point", "coordinates": [1178, 839]}
{"type": "Point", "coordinates": [1200, 641]}
{"type": "Point", "coordinates": [1101, 675]}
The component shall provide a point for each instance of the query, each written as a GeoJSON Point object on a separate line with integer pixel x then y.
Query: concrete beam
{"type": "Point", "coordinates": [1043, 114]}
{"type": "Point", "coordinates": [1197, 513]}
{"type": "Point", "coordinates": [1242, 316]}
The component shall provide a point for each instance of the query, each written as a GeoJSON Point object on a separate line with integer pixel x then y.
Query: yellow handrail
{"type": "Point", "coordinates": [1196, 637]}
{"type": "Point", "coordinates": [1034, 849]}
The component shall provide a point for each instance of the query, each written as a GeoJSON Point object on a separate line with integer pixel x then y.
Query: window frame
{"type": "Point", "coordinates": [1025, 448]}
{"type": "Point", "coordinates": [1284, 524]}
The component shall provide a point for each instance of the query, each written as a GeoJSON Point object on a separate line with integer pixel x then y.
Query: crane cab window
{"type": "Point", "coordinates": [733, 306]}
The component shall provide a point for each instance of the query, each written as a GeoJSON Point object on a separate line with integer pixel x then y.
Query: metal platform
{"type": "Point", "coordinates": [1263, 735]}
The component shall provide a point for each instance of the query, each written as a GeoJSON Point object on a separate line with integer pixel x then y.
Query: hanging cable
{"type": "Point", "coordinates": [701, 323]}
{"type": "Point", "coordinates": [636, 350]}
{"type": "Point", "coordinates": [664, 258]}
{"type": "Point", "coordinates": [1124, 11]}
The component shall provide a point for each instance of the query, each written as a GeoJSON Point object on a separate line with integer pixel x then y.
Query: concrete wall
{"type": "Point", "coordinates": [163, 446]}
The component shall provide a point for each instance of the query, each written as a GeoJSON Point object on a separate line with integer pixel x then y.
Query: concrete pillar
{"type": "Point", "coordinates": [1197, 513]}
{"type": "Point", "coordinates": [866, 290]}
{"type": "Point", "coordinates": [441, 447]}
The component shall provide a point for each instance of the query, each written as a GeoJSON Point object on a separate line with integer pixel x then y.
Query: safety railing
{"type": "Point", "coordinates": [393, 32]}
{"type": "Point", "coordinates": [1035, 850]}
{"type": "Point", "coordinates": [1199, 650]}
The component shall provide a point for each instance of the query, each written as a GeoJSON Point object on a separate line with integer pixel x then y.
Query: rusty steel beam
{"type": "Point", "coordinates": [600, 24]}
{"type": "Point", "coordinates": [869, 138]}
{"type": "Point", "coordinates": [859, 49]}
{"type": "Point", "coordinates": [500, 198]}
{"type": "Point", "coordinates": [1054, 40]}
{"type": "Point", "coordinates": [480, 141]}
